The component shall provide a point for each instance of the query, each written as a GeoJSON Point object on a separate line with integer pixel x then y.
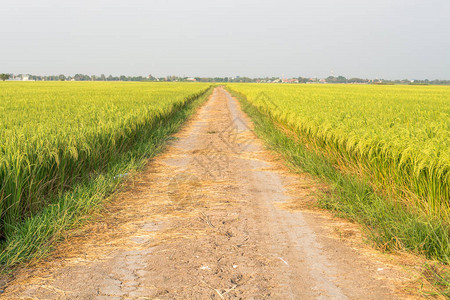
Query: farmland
{"type": "Point", "coordinates": [395, 137]}
{"type": "Point", "coordinates": [56, 135]}
{"type": "Point", "coordinates": [77, 178]}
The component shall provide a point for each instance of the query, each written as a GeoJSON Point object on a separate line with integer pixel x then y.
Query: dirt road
{"type": "Point", "coordinates": [216, 216]}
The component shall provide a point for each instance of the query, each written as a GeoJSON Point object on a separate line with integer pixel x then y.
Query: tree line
{"type": "Point", "coordinates": [330, 79]}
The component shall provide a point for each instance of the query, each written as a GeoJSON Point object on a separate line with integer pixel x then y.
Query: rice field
{"type": "Point", "coordinates": [398, 136]}
{"type": "Point", "coordinates": [55, 134]}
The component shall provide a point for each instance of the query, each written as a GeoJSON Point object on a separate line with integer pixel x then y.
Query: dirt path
{"type": "Point", "coordinates": [214, 217]}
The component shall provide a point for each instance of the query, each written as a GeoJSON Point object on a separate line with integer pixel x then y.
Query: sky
{"type": "Point", "coordinates": [389, 39]}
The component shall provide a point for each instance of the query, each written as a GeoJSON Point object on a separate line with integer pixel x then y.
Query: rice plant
{"type": "Point", "coordinates": [398, 136]}
{"type": "Point", "coordinates": [54, 134]}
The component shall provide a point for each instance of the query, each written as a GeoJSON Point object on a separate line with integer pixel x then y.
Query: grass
{"type": "Point", "coordinates": [36, 235]}
{"type": "Point", "coordinates": [439, 277]}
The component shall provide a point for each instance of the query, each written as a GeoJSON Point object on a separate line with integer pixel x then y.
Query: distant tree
{"type": "Point", "coordinates": [61, 77]}
{"type": "Point", "coordinates": [81, 77]}
{"type": "Point", "coordinates": [4, 76]}
{"type": "Point", "coordinates": [341, 79]}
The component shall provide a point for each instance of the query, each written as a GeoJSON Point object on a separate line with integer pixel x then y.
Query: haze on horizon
{"type": "Point", "coordinates": [354, 38]}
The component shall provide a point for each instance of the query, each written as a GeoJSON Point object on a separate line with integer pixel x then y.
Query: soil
{"type": "Point", "coordinates": [216, 216]}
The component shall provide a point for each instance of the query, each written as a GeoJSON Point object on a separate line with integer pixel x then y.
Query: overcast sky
{"type": "Point", "coordinates": [391, 39]}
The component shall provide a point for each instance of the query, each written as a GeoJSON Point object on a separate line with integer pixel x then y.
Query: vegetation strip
{"type": "Point", "coordinates": [36, 234]}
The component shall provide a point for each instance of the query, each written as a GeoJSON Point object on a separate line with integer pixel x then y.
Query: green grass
{"type": "Point", "coordinates": [389, 222]}
{"type": "Point", "coordinates": [439, 277]}
{"type": "Point", "coordinates": [36, 235]}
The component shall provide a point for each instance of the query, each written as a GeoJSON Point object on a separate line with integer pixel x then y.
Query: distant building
{"type": "Point", "coordinates": [191, 79]}
{"type": "Point", "coordinates": [293, 80]}
{"type": "Point", "coordinates": [21, 77]}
